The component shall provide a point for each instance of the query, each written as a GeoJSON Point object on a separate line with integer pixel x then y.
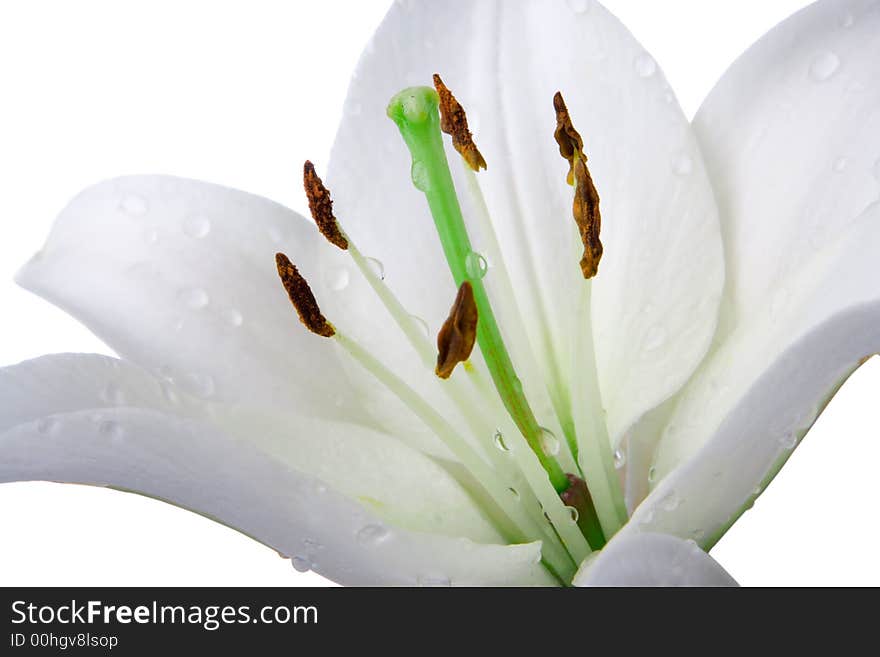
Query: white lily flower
{"type": "Point", "coordinates": [735, 295]}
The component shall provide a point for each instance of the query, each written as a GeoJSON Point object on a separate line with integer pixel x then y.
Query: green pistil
{"type": "Point", "coordinates": [416, 113]}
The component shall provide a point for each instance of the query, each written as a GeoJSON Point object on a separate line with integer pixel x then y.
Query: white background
{"type": "Point", "coordinates": [240, 93]}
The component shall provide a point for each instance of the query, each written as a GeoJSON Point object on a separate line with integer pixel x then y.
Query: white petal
{"type": "Point", "coordinates": [179, 276]}
{"type": "Point", "coordinates": [398, 484]}
{"type": "Point", "coordinates": [652, 560]}
{"type": "Point", "coordinates": [792, 137]}
{"type": "Point", "coordinates": [656, 297]}
{"type": "Point", "coordinates": [192, 466]}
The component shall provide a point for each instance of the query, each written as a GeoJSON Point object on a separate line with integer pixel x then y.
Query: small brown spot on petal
{"type": "Point", "coordinates": [302, 298]}
{"type": "Point", "coordinates": [586, 199]}
{"type": "Point", "coordinates": [455, 342]}
{"type": "Point", "coordinates": [321, 207]}
{"type": "Point", "coordinates": [453, 121]}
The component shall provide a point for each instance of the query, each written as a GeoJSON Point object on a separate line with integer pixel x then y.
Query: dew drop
{"type": "Point", "coordinates": [194, 297]}
{"type": "Point", "coordinates": [579, 6]}
{"type": "Point", "coordinates": [652, 474]}
{"type": "Point", "coordinates": [372, 535]}
{"type": "Point", "coordinates": [839, 164]}
{"type": "Point", "coordinates": [376, 266]}
{"type": "Point", "coordinates": [196, 226]}
{"type": "Point", "coordinates": [111, 430]}
{"type": "Point", "coordinates": [420, 177]}
{"type": "Point", "coordinates": [499, 442]}
{"type": "Point", "coordinates": [788, 440]}
{"type": "Point", "coordinates": [422, 324]}
{"type": "Point", "coordinates": [549, 442]}
{"type": "Point", "coordinates": [824, 66]}
{"type": "Point", "coordinates": [683, 165]}
{"type": "Point", "coordinates": [112, 394]}
{"type": "Point", "coordinates": [475, 265]}
{"type": "Point", "coordinates": [671, 502]}
{"type": "Point", "coordinates": [301, 564]}
{"type": "Point", "coordinates": [339, 279]}
{"type": "Point", "coordinates": [574, 514]}
{"type": "Point", "coordinates": [619, 458]}
{"type": "Point", "coordinates": [232, 317]}
{"type": "Point", "coordinates": [645, 65]}
{"type": "Point", "coordinates": [134, 206]}
{"type": "Point", "coordinates": [655, 338]}
{"type": "Point", "coordinates": [46, 425]}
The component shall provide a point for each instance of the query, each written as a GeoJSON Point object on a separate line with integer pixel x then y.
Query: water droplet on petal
{"type": "Point", "coordinates": [788, 440]}
{"type": "Point", "coordinates": [655, 338]}
{"type": "Point", "coordinates": [134, 206]}
{"type": "Point", "coordinates": [619, 458]}
{"type": "Point", "coordinates": [372, 535]}
{"type": "Point", "coordinates": [579, 6]}
{"type": "Point", "coordinates": [111, 430]}
{"type": "Point", "coordinates": [112, 394]}
{"type": "Point", "coordinates": [420, 176]}
{"type": "Point", "coordinates": [683, 165]}
{"type": "Point", "coordinates": [232, 317]}
{"type": "Point", "coordinates": [194, 297]}
{"type": "Point", "coordinates": [376, 266]}
{"type": "Point", "coordinates": [339, 279]}
{"type": "Point", "coordinates": [196, 226]}
{"type": "Point", "coordinates": [824, 66]}
{"type": "Point", "coordinates": [422, 324]}
{"type": "Point", "coordinates": [671, 502]}
{"type": "Point", "coordinates": [549, 442]}
{"type": "Point", "coordinates": [652, 474]}
{"type": "Point", "coordinates": [645, 65]}
{"type": "Point", "coordinates": [839, 164]}
{"type": "Point", "coordinates": [574, 514]}
{"type": "Point", "coordinates": [475, 265]}
{"type": "Point", "coordinates": [46, 425]}
{"type": "Point", "coordinates": [499, 442]}
{"type": "Point", "coordinates": [301, 564]}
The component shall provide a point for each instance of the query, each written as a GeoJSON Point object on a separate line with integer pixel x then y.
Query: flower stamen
{"type": "Point", "coordinates": [321, 207]}
{"type": "Point", "coordinates": [453, 121]}
{"type": "Point", "coordinates": [586, 199]}
{"type": "Point", "coordinates": [455, 342]}
{"type": "Point", "coordinates": [302, 298]}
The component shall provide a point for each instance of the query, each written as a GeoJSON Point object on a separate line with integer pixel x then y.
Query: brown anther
{"type": "Point", "coordinates": [586, 199]}
{"type": "Point", "coordinates": [321, 207]}
{"type": "Point", "coordinates": [455, 342]}
{"type": "Point", "coordinates": [453, 121]}
{"type": "Point", "coordinates": [302, 298]}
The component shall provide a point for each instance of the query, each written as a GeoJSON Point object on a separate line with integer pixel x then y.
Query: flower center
{"type": "Point", "coordinates": [565, 494]}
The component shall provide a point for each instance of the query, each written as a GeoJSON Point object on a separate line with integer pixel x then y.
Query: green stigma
{"type": "Point", "coordinates": [416, 113]}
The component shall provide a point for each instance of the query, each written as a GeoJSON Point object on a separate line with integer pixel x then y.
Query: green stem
{"type": "Point", "coordinates": [416, 113]}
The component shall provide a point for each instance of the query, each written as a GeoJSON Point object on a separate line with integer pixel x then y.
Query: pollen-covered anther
{"type": "Point", "coordinates": [586, 199]}
{"type": "Point", "coordinates": [455, 342]}
{"type": "Point", "coordinates": [453, 121]}
{"type": "Point", "coordinates": [321, 207]}
{"type": "Point", "coordinates": [302, 298]}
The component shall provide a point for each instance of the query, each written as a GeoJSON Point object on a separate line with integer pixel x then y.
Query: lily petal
{"type": "Point", "coordinates": [179, 277]}
{"type": "Point", "coordinates": [186, 464]}
{"type": "Point", "coordinates": [656, 297]}
{"type": "Point", "coordinates": [400, 485]}
{"type": "Point", "coordinates": [652, 560]}
{"type": "Point", "coordinates": [792, 138]}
